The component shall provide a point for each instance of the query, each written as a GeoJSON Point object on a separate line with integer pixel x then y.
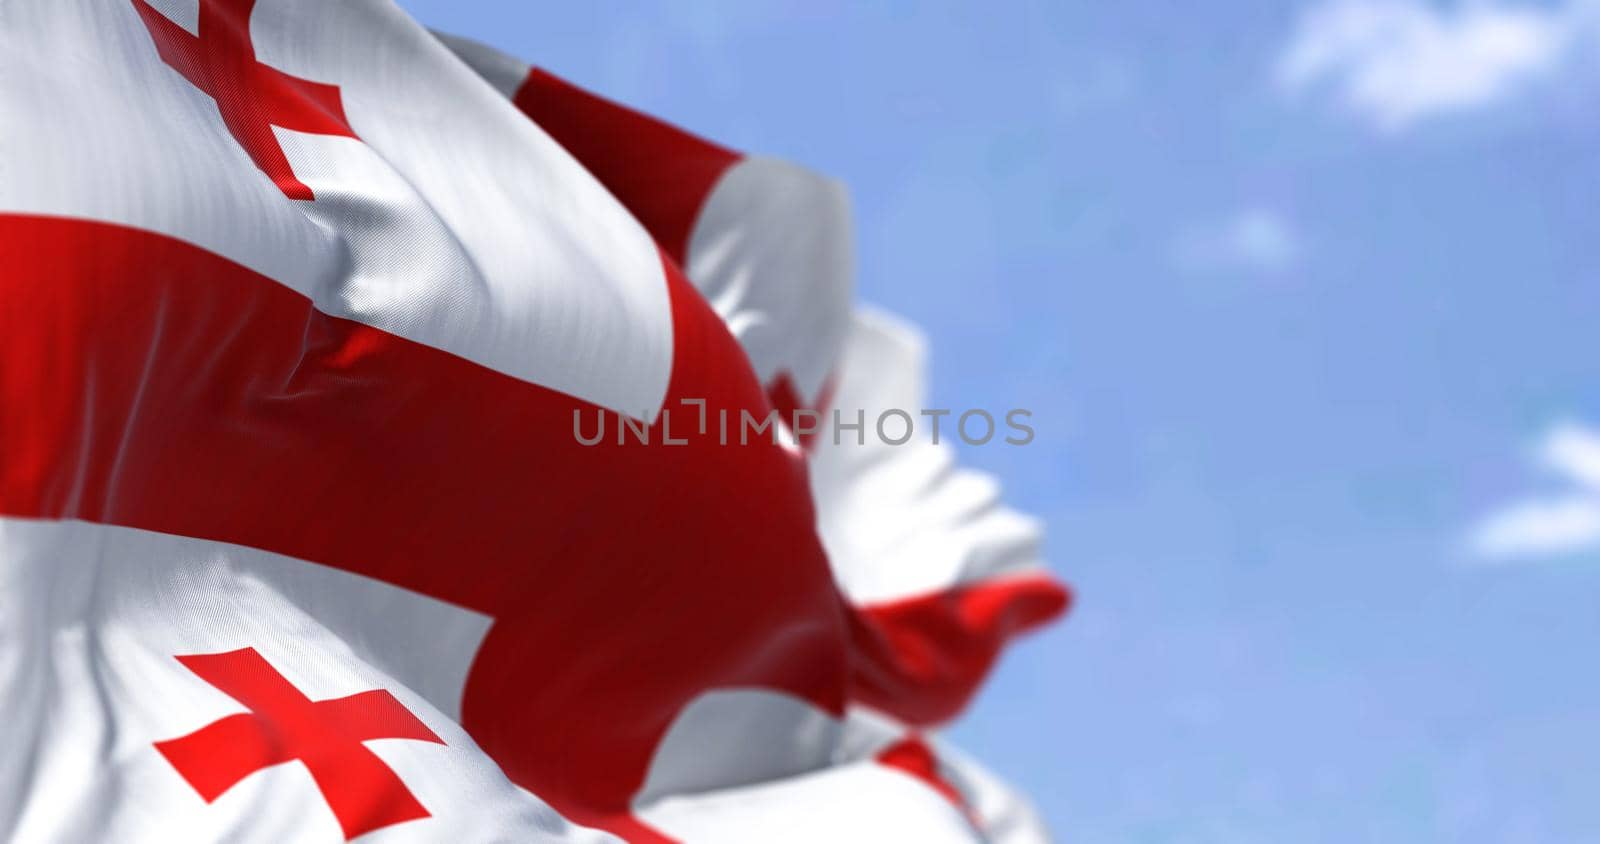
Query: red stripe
{"type": "Point", "coordinates": [922, 658]}
{"type": "Point", "coordinates": [146, 382]}
{"type": "Point", "coordinates": [660, 172]}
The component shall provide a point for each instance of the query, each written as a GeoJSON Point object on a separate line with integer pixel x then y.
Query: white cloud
{"type": "Point", "coordinates": [1557, 524]}
{"type": "Point", "coordinates": [1571, 449]}
{"type": "Point", "coordinates": [1256, 239]}
{"type": "Point", "coordinates": [1396, 62]}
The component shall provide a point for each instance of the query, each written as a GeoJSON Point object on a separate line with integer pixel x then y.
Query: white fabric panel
{"type": "Point", "coordinates": [856, 802]}
{"type": "Point", "coordinates": [1005, 816]}
{"type": "Point", "coordinates": [734, 736]}
{"type": "Point", "coordinates": [95, 616]}
{"type": "Point", "coordinates": [506, 73]}
{"type": "Point", "coordinates": [453, 221]}
{"type": "Point", "coordinates": [905, 520]}
{"type": "Point", "coordinates": [749, 764]}
{"type": "Point", "coordinates": [772, 250]}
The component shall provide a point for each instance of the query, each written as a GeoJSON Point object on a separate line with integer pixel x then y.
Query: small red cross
{"type": "Point", "coordinates": [251, 96]}
{"type": "Point", "coordinates": [283, 725]}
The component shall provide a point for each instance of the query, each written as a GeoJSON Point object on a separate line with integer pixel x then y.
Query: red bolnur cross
{"type": "Point", "coordinates": [251, 96]}
{"type": "Point", "coordinates": [283, 725]}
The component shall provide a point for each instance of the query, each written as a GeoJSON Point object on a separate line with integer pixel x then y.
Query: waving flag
{"type": "Point", "coordinates": [297, 540]}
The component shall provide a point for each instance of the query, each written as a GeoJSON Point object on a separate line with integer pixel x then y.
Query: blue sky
{"type": "Point", "coordinates": [1302, 297]}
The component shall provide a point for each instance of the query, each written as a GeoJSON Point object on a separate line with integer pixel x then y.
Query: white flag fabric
{"type": "Point", "coordinates": [299, 539]}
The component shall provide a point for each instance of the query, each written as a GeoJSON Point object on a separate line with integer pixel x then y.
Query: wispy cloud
{"type": "Point", "coordinates": [1255, 239]}
{"type": "Point", "coordinates": [1563, 523]}
{"type": "Point", "coordinates": [1395, 62]}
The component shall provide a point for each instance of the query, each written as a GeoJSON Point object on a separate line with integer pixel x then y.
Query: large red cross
{"type": "Point", "coordinates": [283, 725]}
{"type": "Point", "coordinates": [251, 96]}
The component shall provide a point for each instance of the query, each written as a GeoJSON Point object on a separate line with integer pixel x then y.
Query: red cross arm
{"type": "Point", "coordinates": [301, 105]}
{"type": "Point", "coordinates": [215, 757]}
{"type": "Point", "coordinates": [362, 791]}
{"type": "Point", "coordinates": [248, 678]}
{"type": "Point", "coordinates": [373, 715]}
{"type": "Point", "coordinates": [283, 724]}
{"type": "Point", "coordinates": [176, 46]}
{"type": "Point", "coordinates": [250, 96]}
